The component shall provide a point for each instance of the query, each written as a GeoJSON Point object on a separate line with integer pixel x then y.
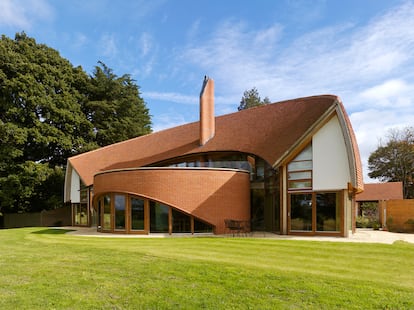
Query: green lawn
{"type": "Point", "coordinates": [45, 269]}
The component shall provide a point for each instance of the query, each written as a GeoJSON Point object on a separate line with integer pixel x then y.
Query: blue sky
{"type": "Point", "coordinates": [362, 51]}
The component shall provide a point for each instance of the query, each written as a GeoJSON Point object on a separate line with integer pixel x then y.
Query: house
{"type": "Point", "coordinates": [291, 167]}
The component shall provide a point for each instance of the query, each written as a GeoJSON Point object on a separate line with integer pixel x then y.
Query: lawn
{"type": "Point", "coordinates": [43, 268]}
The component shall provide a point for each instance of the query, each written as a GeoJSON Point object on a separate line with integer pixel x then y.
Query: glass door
{"type": "Point", "coordinates": [316, 213]}
{"type": "Point", "coordinates": [301, 212]}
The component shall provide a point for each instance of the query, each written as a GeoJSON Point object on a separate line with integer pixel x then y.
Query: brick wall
{"type": "Point", "coordinates": [397, 213]}
{"type": "Point", "coordinates": [211, 195]}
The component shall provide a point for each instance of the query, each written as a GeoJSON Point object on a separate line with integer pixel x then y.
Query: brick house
{"type": "Point", "coordinates": [290, 167]}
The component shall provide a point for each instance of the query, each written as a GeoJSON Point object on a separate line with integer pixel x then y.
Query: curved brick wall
{"type": "Point", "coordinates": [211, 195]}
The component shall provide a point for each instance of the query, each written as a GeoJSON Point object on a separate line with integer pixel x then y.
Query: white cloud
{"type": "Point", "coordinates": [108, 45]}
{"type": "Point", "coordinates": [23, 13]}
{"type": "Point", "coordinates": [394, 93]}
{"type": "Point", "coordinates": [146, 43]}
{"type": "Point", "coordinates": [79, 40]}
{"type": "Point", "coordinates": [372, 126]}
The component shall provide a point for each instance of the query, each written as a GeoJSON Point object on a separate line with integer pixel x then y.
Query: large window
{"type": "Point", "coordinates": [81, 214]}
{"type": "Point", "coordinates": [300, 171]}
{"type": "Point", "coordinates": [120, 207]}
{"type": "Point", "coordinates": [137, 214]}
{"type": "Point", "coordinates": [158, 217]}
{"type": "Point", "coordinates": [180, 222]}
{"type": "Point", "coordinates": [107, 212]}
{"type": "Point", "coordinates": [317, 211]}
{"type": "Point", "coordinates": [301, 212]}
{"type": "Point", "coordinates": [328, 212]}
{"type": "Point", "coordinates": [132, 214]}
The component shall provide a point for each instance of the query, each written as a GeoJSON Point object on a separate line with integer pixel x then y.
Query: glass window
{"type": "Point", "coordinates": [300, 170]}
{"type": "Point", "coordinates": [137, 214]}
{"type": "Point", "coordinates": [306, 184]}
{"type": "Point", "coordinates": [158, 217]}
{"type": "Point", "coordinates": [300, 175]}
{"type": "Point", "coordinates": [107, 212]}
{"type": "Point", "coordinates": [99, 213]}
{"type": "Point", "coordinates": [306, 154]}
{"type": "Point", "coordinates": [84, 195]}
{"type": "Point", "coordinates": [327, 212]}
{"type": "Point", "coordinates": [201, 227]}
{"type": "Point", "coordinates": [83, 216]}
{"type": "Point", "coordinates": [300, 165]}
{"type": "Point", "coordinates": [301, 212]}
{"type": "Point", "coordinates": [180, 222]}
{"type": "Point", "coordinates": [119, 211]}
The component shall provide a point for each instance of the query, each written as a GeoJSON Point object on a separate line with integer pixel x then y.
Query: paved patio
{"type": "Point", "coordinates": [361, 235]}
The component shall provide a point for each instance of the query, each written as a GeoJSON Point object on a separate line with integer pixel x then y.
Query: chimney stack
{"type": "Point", "coordinates": [207, 121]}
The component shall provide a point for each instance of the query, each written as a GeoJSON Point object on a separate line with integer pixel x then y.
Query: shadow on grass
{"type": "Point", "coordinates": [52, 231]}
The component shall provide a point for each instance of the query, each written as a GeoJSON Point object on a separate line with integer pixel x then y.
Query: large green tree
{"type": "Point", "coordinates": [51, 110]}
{"type": "Point", "coordinates": [394, 161]}
{"type": "Point", "coordinates": [251, 99]}
{"type": "Point", "coordinates": [115, 107]}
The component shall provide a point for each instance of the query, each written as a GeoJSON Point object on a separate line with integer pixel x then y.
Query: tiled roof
{"type": "Point", "coordinates": [268, 131]}
{"type": "Point", "coordinates": [358, 182]}
{"type": "Point", "coordinates": [381, 191]}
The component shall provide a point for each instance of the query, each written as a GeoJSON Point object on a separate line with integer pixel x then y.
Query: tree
{"type": "Point", "coordinates": [252, 99]}
{"type": "Point", "coordinates": [394, 161]}
{"type": "Point", "coordinates": [115, 107]}
{"type": "Point", "coordinates": [48, 113]}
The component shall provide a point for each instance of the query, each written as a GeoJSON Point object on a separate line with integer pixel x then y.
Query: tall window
{"type": "Point", "coordinates": [120, 212]}
{"type": "Point", "coordinates": [107, 212]}
{"type": "Point", "coordinates": [137, 214]}
{"type": "Point", "coordinates": [300, 171]}
{"type": "Point", "coordinates": [328, 212]}
{"type": "Point", "coordinates": [158, 217]}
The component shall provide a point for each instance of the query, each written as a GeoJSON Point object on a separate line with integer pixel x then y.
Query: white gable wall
{"type": "Point", "coordinates": [72, 185]}
{"type": "Point", "coordinates": [330, 159]}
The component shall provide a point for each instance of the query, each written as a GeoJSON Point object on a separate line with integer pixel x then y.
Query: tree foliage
{"type": "Point", "coordinates": [115, 107]}
{"type": "Point", "coordinates": [51, 110]}
{"type": "Point", "coordinates": [252, 99]}
{"type": "Point", "coordinates": [394, 161]}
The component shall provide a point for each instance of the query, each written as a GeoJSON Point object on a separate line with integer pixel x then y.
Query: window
{"type": "Point", "coordinates": [119, 211]}
{"type": "Point", "coordinates": [301, 212]}
{"type": "Point", "coordinates": [300, 171]}
{"type": "Point", "coordinates": [180, 222]}
{"type": "Point", "coordinates": [158, 217]}
{"type": "Point", "coordinates": [137, 214]}
{"type": "Point", "coordinates": [315, 212]}
{"type": "Point", "coordinates": [327, 212]}
{"type": "Point", "coordinates": [107, 212]}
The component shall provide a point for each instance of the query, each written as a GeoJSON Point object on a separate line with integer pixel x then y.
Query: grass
{"type": "Point", "coordinates": [46, 269]}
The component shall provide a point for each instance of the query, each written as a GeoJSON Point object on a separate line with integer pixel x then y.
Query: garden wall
{"type": "Point", "coordinates": [399, 214]}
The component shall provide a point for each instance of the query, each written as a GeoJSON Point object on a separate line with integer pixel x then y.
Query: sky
{"type": "Point", "coordinates": [361, 51]}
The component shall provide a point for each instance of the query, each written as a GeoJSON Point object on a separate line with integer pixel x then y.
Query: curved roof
{"type": "Point", "coordinates": [268, 131]}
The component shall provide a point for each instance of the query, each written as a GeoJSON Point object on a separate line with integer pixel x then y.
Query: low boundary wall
{"type": "Point", "coordinates": [397, 215]}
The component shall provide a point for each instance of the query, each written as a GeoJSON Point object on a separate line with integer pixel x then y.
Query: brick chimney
{"type": "Point", "coordinates": [207, 121]}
